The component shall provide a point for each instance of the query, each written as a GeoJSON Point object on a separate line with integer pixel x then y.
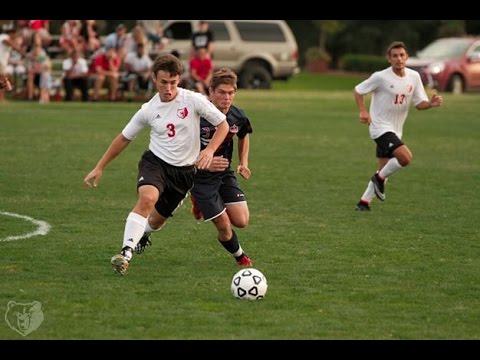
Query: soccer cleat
{"type": "Point", "coordinates": [144, 242]}
{"type": "Point", "coordinates": [362, 206]}
{"type": "Point", "coordinates": [244, 261]}
{"type": "Point", "coordinates": [197, 214]}
{"type": "Point", "coordinates": [379, 187]}
{"type": "Point", "coordinates": [120, 262]}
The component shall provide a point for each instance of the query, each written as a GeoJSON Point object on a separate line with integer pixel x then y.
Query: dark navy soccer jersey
{"type": "Point", "coordinates": [238, 125]}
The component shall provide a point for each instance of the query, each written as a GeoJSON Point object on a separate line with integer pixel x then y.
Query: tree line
{"type": "Point", "coordinates": [371, 37]}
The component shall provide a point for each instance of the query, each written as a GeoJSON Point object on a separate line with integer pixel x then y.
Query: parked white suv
{"type": "Point", "coordinates": [257, 50]}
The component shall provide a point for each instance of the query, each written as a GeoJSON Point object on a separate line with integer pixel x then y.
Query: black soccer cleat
{"type": "Point", "coordinates": [142, 245]}
{"type": "Point", "coordinates": [362, 206]}
{"type": "Point", "coordinates": [379, 187]}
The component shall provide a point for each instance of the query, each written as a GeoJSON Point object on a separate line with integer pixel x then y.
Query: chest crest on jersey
{"type": "Point", "coordinates": [182, 113]}
{"type": "Point", "coordinates": [234, 129]}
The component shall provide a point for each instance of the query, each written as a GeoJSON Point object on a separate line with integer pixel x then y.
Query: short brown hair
{"type": "Point", "coordinates": [396, 45]}
{"type": "Point", "coordinates": [223, 76]}
{"type": "Point", "coordinates": [167, 63]}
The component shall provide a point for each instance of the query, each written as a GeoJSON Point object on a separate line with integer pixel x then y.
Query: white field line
{"type": "Point", "coordinates": [42, 227]}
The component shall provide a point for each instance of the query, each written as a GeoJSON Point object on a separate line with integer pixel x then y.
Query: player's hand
{"type": "Point", "coordinates": [93, 178]}
{"type": "Point", "coordinates": [244, 171]}
{"type": "Point", "coordinates": [204, 159]}
{"type": "Point", "coordinates": [365, 117]}
{"type": "Point", "coordinates": [219, 163]}
{"type": "Point", "coordinates": [5, 83]}
{"type": "Point", "coordinates": [436, 100]}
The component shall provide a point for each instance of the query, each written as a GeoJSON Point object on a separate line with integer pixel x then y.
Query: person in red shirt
{"type": "Point", "coordinates": [41, 29]}
{"type": "Point", "coordinates": [201, 70]}
{"type": "Point", "coordinates": [105, 67]}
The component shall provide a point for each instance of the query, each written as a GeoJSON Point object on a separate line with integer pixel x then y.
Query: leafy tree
{"type": "Point", "coordinates": [326, 29]}
{"type": "Point", "coordinates": [452, 28]}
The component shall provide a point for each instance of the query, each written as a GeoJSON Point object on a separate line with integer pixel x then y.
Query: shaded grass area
{"type": "Point", "coordinates": [332, 81]}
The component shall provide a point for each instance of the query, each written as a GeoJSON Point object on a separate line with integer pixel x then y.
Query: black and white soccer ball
{"type": "Point", "coordinates": [249, 284]}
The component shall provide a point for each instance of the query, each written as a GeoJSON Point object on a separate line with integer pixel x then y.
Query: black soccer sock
{"type": "Point", "coordinates": [233, 246]}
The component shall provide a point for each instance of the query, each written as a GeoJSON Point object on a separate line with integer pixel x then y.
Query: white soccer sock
{"type": "Point", "coordinates": [390, 167]}
{"type": "Point", "coordinates": [369, 193]}
{"type": "Point", "coordinates": [134, 229]}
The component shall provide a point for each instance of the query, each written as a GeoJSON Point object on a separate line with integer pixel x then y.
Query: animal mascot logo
{"type": "Point", "coordinates": [24, 318]}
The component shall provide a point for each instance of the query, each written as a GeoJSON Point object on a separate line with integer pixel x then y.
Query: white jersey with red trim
{"type": "Point", "coordinates": [175, 125]}
{"type": "Point", "coordinates": [392, 96]}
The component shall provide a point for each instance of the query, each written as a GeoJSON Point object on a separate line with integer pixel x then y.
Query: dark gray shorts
{"type": "Point", "coordinates": [172, 182]}
{"type": "Point", "coordinates": [213, 191]}
{"type": "Point", "coordinates": [386, 145]}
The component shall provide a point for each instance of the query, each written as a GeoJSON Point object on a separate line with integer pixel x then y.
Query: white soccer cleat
{"type": "Point", "coordinates": [120, 264]}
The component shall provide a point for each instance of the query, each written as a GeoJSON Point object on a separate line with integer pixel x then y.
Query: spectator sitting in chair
{"type": "Point", "coordinates": [201, 70]}
{"type": "Point", "coordinates": [75, 75]}
{"type": "Point", "coordinates": [138, 65]}
{"type": "Point", "coordinates": [105, 67]}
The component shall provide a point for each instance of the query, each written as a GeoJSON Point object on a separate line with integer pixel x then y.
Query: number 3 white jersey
{"type": "Point", "coordinates": [175, 125]}
{"type": "Point", "coordinates": [391, 99]}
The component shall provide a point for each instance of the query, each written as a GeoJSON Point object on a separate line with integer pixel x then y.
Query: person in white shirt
{"type": "Point", "coordinates": [138, 65]}
{"type": "Point", "coordinates": [75, 75]}
{"type": "Point", "coordinates": [393, 91]}
{"type": "Point", "coordinates": [167, 168]}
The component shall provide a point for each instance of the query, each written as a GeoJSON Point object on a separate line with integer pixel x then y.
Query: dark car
{"type": "Point", "coordinates": [449, 64]}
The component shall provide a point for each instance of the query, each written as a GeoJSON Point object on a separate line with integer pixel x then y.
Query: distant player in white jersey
{"type": "Point", "coordinates": [166, 169]}
{"type": "Point", "coordinates": [393, 91]}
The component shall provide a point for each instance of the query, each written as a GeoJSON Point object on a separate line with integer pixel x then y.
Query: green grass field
{"type": "Point", "coordinates": [409, 269]}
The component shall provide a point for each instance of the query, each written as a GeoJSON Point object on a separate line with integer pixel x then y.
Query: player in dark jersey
{"type": "Point", "coordinates": [216, 195]}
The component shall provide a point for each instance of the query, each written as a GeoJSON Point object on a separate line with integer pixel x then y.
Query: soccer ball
{"type": "Point", "coordinates": [249, 284]}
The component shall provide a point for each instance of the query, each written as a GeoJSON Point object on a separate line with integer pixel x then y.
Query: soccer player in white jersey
{"type": "Point", "coordinates": [166, 169]}
{"type": "Point", "coordinates": [393, 91]}
{"type": "Point", "coordinates": [217, 196]}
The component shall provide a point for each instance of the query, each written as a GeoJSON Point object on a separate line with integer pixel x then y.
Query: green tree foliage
{"type": "Point", "coordinates": [326, 29]}
{"type": "Point", "coordinates": [452, 28]}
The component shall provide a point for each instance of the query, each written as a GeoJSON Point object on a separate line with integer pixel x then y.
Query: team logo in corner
{"type": "Point", "coordinates": [182, 113]}
{"type": "Point", "coordinates": [24, 318]}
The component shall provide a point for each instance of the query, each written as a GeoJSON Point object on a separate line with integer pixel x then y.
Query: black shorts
{"type": "Point", "coordinates": [386, 145]}
{"type": "Point", "coordinates": [213, 191]}
{"type": "Point", "coordinates": [173, 182]}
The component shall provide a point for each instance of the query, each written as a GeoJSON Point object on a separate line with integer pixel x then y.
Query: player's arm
{"type": "Point", "coordinates": [218, 164]}
{"type": "Point", "coordinates": [435, 101]}
{"type": "Point", "coordinates": [5, 83]}
{"type": "Point", "coordinates": [116, 147]}
{"type": "Point", "coordinates": [206, 155]}
{"type": "Point", "coordinates": [362, 109]}
{"type": "Point", "coordinates": [243, 151]}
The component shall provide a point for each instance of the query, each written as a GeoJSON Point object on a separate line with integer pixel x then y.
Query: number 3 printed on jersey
{"type": "Point", "coordinates": [171, 127]}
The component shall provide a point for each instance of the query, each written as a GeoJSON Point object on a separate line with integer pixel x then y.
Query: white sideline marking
{"type": "Point", "coordinates": [42, 229]}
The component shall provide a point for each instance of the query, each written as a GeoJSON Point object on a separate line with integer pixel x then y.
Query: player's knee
{"type": "Point", "coordinates": [147, 201]}
{"type": "Point", "coordinates": [240, 221]}
{"type": "Point", "coordinates": [405, 160]}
